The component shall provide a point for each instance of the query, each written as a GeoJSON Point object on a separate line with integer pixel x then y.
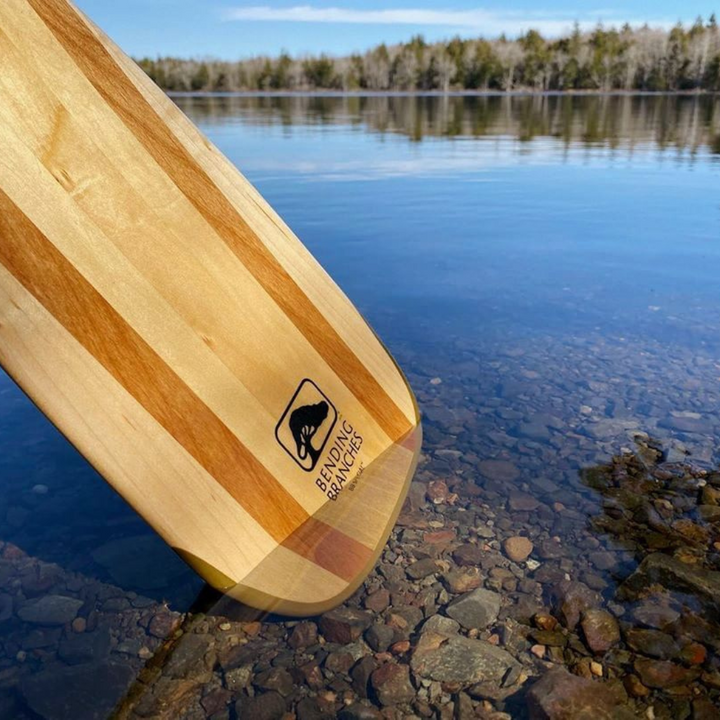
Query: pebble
{"type": "Point", "coordinates": [518, 548]}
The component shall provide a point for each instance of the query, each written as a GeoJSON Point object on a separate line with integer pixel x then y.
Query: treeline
{"type": "Point", "coordinates": [645, 59]}
{"type": "Point", "coordinates": [688, 124]}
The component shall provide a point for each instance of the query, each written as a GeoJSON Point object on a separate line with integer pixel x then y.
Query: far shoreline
{"type": "Point", "coordinates": [450, 93]}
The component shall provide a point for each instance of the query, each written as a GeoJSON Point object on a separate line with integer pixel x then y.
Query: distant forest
{"type": "Point", "coordinates": [647, 59]}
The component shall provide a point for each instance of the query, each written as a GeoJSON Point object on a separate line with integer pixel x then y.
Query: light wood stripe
{"type": "Point", "coordinates": [29, 256]}
{"type": "Point", "coordinates": [130, 105]}
{"type": "Point", "coordinates": [79, 395]}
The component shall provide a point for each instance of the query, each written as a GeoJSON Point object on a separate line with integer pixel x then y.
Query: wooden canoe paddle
{"type": "Point", "coordinates": [168, 322]}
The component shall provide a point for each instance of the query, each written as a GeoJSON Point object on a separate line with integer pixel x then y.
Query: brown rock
{"type": "Point", "coordinates": [79, 624]}
{"type": "Point", "coordinates": [277, 679]}
{"type": "Point", "coordinates": [344, 625]}
{"type": "Point", "coordinates": [522, 502]}
{"type": "Point", "coordinates": [518, 548]}
{"type": "Point", "coordinates": [572, 598]}
{"type": "Point", "coordinates": [558, 695]}
{"type": "Point", "coordinates": [462, 581]}
{"type": "Point", "coordinates": [440, 537]}
{"type": "Point", "coordinates": [653, 643]}
{"type": "Point", "coordinates": [361, 674]}
{"type": "Point", "coordinates": [216, 701]}
{"type": "Point", "coordinates": [163, 625]}
{"type": "Point", "coordinates": [392, 685]}
{"type": "Point", "coordinates": [693, 654]}
{"type": "Point", "coordinates": [664, 674]}
{"type": "Point", "coordinates": [339, 662]}
{"type": "Point", "coordinates": [601, 630]}
{"type": "Point", "coordinates": [421, 569]}
{"type": "Point", "coordinates": [268, 706]}
{"type": "Point", "coordinates": [634, 687]}
{"type": "Point", "coordinates": [378, 601]}
{"type": "Point", "coordinates": [468, 555]}
{"type": "Point", "coordinates": [313, 675]}
{"type": "Point", "coordinates": [543, 621]}
{"type": "Point", "coordinates": [437, 491]}
{"type": "Point", "coordinates": [303, 635]}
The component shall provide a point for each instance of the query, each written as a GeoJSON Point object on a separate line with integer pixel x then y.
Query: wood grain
{"type": "Point", "coordinates": [180, 316]}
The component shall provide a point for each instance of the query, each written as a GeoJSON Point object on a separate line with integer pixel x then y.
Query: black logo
{"type": "Point", "coordinates": [306, 425]}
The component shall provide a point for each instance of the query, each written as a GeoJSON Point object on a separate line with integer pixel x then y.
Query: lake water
{"type": "Point", "coordinates": [544, 269]}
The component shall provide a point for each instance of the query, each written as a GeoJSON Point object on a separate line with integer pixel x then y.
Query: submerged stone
{"type": "Point", "coordinates": [457, 659]}
{"type": "Point", "coordinates": [558, 695]}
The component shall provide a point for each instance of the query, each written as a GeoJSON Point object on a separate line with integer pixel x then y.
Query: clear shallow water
{"type": "Point", "coordinates": [552, 261]}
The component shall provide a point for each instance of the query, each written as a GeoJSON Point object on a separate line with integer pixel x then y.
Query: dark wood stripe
{"type": "Point", "coordinates": [119, 91]}
{"type": "Point", "coordinates": [35, 262]}
{"type": "Point", "coordinates": [329, 548]}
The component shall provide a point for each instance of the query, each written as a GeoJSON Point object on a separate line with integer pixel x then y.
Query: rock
{"type": "Point", "coordinates": [601, 630]}
{"type": "Point", "coordinates": [268, 706]}
{"type": "Point", "coordinates": [437, 492]}
{"type": "Point", "coordinates": [655, 616]}
{"type": "Point", "coordinates": [468, 555]}
{"type": "Point", "coordinates": [675, 575]}
{"type": "Point", "coordinates": [518, 548]}
{"type": "Point", "coordinates": [163, 624]}
{"type": "Point", "coordinates": [82, 692]}
{"type": "Point", "coordinates": [339, 662]}
{"type": "Point", "coordinates": [457, 659]}
{"type": "Point", "coordinates": [440, 537]}
{"type": "Point", "coordinates": [634, 687]}
{"type": "Point", "coordinates": [476, 609]}
{"type": "Point", "coordinates": [522, 502]}
{"type": "Point", "coordinates": [85, 647]}
{"type": "Point", "coordinates": [277, 679]}
{"type": "Point", "coordinates": [192, 658]}
{"type": "Point", "coordinates": [653, 643]}
{"type": "Point", "coordinates": [704, 709]}
{"type": "Point", "coordinates": [379, 600]}
{"type": "Point", "coordinates": [572, 598]}
{"type": "Point", "coordinates": [379, 637]}
{"type": "Point", "coordinates": [687, 424]}
{"type": "Point", "coordinates": [79, 625]}
{"type": "Point", "coordinates": [311, 709]}
{"type": "Point", "coordinates": [361, 673]}
{"type": "Point", "coordinates": [357, 711]}
{"type": "Point", "coordinates": [693, 654]}
{"type": "Point", "coordinates": [558, 695]}
{"type": "Point", "coordinates": [238, 678]}
{"type": "Point", "coordinates": [462, 581]}
{"type": "Point", "coordinates": [344, 625]}
{"type": "Point", "coordinates": [216, 701]}
{"type": "Point", "coordinates": [664, 674]}
{"type": "Point", "coordinates": [441, 624]}
{"type": "Point", "coordinates": [303, 635]}
{"type": "Point", "coordinates": [392, 685]}
{"type": "Point", "coordinates": [533, 430]}
{"type": "Point", "coordinates": [51, 610]}
{"type": "Point", "coordinates": [500, 470]}
{"type": "Point", "coordinates": [421, 569]}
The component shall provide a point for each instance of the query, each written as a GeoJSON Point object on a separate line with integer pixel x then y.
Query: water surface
{"type": "Point", "coordinates": [545, 270]}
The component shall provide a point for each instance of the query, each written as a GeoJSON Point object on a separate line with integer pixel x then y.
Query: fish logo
{"type": "Point", "coordinates": [306, 424]}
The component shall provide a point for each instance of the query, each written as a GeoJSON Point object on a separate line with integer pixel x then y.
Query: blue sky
{"type": "Point", "coordinates": [235, 28]}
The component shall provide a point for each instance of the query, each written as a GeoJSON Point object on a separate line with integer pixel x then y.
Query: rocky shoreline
{"type": "Point", "coordinates": [460, 619]}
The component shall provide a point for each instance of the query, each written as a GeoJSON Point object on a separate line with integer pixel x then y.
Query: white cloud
{"type": "Point", "coordinates": [486, 21]}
